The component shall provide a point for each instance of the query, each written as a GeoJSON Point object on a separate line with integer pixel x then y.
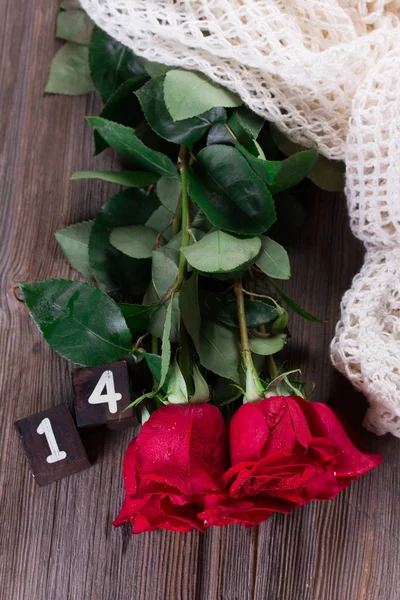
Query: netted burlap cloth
{"type": "Point", "coordinates": [327, 72]}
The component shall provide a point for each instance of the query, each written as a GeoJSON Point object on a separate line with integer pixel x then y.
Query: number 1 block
{"type": "Point", "coordinates": [101, 395]}
{"type": "Point", "coordinates": [52, 444]}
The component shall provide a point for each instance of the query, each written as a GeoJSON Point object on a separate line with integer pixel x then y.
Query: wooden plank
{"type": "Point", "coordinates": [57, 542]}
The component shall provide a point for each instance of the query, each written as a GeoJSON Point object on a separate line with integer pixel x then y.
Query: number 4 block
{"type": "Point", "coordinates": [101, 395]}
{"type": "Point", "coordinates": [52, 444]}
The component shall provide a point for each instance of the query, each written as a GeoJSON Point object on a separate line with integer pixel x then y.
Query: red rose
{"type": "Point", "coordinates": [221, 510]}
{"type": "Point", "coordinates": [286, 451]}
{"type": "Point", "coordinates": [176, 461]}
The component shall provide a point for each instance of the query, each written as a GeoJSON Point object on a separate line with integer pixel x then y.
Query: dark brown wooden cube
{"type": "Point", "coordinates": [101, 395]}
{"type": "Point", "coordinates": [52, 444]}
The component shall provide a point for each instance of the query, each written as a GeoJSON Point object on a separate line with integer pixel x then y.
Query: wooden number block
{"type": "Point", "coordinates": [52, 444]}
{"type": "Point", "coordinates": [101, 394]}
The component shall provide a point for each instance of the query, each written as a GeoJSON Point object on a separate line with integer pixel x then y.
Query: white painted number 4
{"type": "Point", "coordinates": [46, 429]}
{"type": "Point", "coordinates": [111, 396]}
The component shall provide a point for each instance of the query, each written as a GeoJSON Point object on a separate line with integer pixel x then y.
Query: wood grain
{"type": "Point", "coordinates": [56, 543]}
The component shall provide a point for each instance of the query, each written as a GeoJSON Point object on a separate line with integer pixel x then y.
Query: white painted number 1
{"type": "Point", "coordinates": [111, 396]}
{"type": "Point", "coordinates": [46, 429]}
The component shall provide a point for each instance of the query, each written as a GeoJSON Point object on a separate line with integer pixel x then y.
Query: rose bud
{"type": "Point", "coordinates": [286, 451]}
{"type": "Point", "coordinates": [176, 461]}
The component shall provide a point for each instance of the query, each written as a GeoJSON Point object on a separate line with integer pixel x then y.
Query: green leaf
{"type": "Point", "coordinates": [137, 318]}
{"type": "Point", "coordinates": [79, 321]}
{"type": "Point", "coordinates": [219, 252]}
{"type": "Point", "coordinates": [225, 187]}
{"type": "Point", "coordinates": [154, 364]}
{"type": "Point", "coordinates": [155, 69]}
{"type": "Point", "coordinates": [175, 241]}
{"type": "Point", "coordinates": [111, 63]}
{"type": "Point", "coordinates": [289, 303]}
{"type": "Point", "coordinates": [74, 25]}
{"type": "Point", "coordinates": [246, 126]}
{"type": "Point", "coordinates": [219, 134]}
{"type": "Point", "coordinates": [225, 392]}
{"type": "Point", "coordinates": [113, 269]}
{"type": "Point", "coordinates": [217, 346]}
{"type": "Point", "coordinates": [157, 321]}
{"type": "Point", "coordinates": [267, 344]}
{"type": "Point", "coordinates": [69, 4]}
{"type": "Point", "coordinates": [281, 323]}
{"type": "Point", "coordinates": [186, 131]}
{"type": "Point", "coordinates": [163, 275]}
{"type": "Point", "coordinates": [219, 350]}
{"type": "Point", "coordinates": [136, 241]}
{"type": "Point", "coordinates": [188, 94]}
{"type": "Point", "coordinates": [285, 174]}
{"type": "Point", "coordinates": [74, 242]}
{"type": "Point", "coordinates": [273, 259]}
{"type": "Point", "coordinates": [128, 178]}
{"type": "Point", "coordinates": [69, 71]}
{"type": "Point", "coordinates": [122, 107]}
{"type": "Point", "coordinates": [293, 170]}
{"type": "Point", "coordinates": [161, 221]}
{"type": "Point", "coordinates": [168, 192]}
{"type": "Point", "coordinates": [224, 308]}
{"type": "Point", "coordinates": [166, 345]}
{"type": "Point", "coordinates": [189, 307]}
{"type": "Point", "coordinates": [329, 175]}
{"type": "Point", "coordinates": [124, 141]}
{"type": "Point", "coordinates": [244, 120]}
{"type": "Point", "coordinates": [266, 169]}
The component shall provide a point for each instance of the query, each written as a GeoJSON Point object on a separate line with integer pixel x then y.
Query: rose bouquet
{"type": "Point", "coordinates": [195, 240]}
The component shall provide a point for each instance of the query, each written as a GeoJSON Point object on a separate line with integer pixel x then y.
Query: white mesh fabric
{"type": "Point", "coordinates": [366, 347]}
{"type": "Point", "coordinates": [327, 73]}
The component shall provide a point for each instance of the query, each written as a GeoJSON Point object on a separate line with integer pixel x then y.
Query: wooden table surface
{"type": "Point", "coordinates": [56, 542]}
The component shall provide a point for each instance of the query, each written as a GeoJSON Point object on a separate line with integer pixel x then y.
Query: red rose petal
{"type": "Point", "coordinates": [352, 460]}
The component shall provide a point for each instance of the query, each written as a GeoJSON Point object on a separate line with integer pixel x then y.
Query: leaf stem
{"type": "Point", "coordinates": [272, 368]}
{"type": "Point", "coordinates": [261, 296]}
{"type": "Point", "coordinates": [183, 156]}
{"type": "Point", "coordinates": [244, 335]}
{"type": "Point", "coordinates": [271, 364]}
{"type": "Point", "coordinates": [177, 220]}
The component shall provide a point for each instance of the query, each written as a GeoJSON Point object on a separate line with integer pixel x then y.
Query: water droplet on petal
{"type": "Point", "coordinates": [170, 451]}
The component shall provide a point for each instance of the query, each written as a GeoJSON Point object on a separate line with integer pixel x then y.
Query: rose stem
{"type": "Point", "coordinates": [183, 156]}
{"type": "Point", "coordinates": [244, 335]}
{"type": "Point", "coordinates": [184, 352]}
{"type": "Point", "coordinates": [183, 206]}
{"type": "Point", "coordinates": [271, 364]}
{"type": "Point", "coordinates": [176, 221]}
{"type": "Point", "coordinates": [272, 368]}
